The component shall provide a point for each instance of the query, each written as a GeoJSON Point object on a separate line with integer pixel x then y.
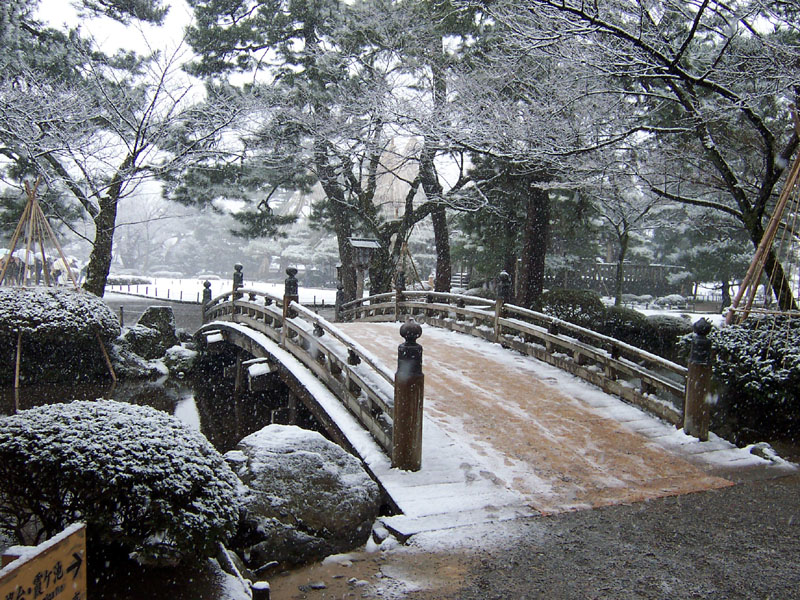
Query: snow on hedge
{"type": "Point", "coordinates": [136, 475]}
{"type": "Point", "coordinates": [56, 313]}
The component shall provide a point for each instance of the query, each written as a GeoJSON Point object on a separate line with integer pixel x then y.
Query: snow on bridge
{"type": "Point", "coordinates": [504, 434]}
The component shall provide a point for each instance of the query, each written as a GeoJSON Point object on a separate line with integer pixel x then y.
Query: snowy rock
{"type": "Point", "coordinates": [153, 334]}
{"type": "Point", "coordinates": [306, 497]}
{"type": "Point", "coordinates": [129, 365]}
{"type": "Point", "coordinates": [144, 341]}
{"type": "Point", "coordinates": [180, 359]}
{"type": "Point", "coordinates": [162, 319]}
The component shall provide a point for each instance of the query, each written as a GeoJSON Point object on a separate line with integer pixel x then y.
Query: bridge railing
{"type": "Point", "coordinates": [631, 373]}
{"type": "Point", "coordinates": [360, 381]}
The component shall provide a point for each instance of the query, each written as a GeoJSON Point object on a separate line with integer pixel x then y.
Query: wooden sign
{"type": "Point", "coordinates": [53, 570]}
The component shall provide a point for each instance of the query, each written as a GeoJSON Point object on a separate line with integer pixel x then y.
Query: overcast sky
{"type": "Point", "coordinates": [111, 35]}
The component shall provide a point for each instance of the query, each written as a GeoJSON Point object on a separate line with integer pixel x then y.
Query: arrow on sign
{"type": "Point", "coordinates": [76, 565]}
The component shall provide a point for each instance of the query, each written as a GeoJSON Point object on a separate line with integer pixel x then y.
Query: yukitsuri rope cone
{"type": "Point", "coordinates": [780, 242]}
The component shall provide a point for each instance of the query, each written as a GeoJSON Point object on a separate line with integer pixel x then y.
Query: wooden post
{"type": "Point", "coordinates": [206, 298]}
{"type": "Point", "coordinates": [106, 357]}
{"type": "Point", "coordinates": [503, 296]}
{"type": "Point", "coordinates": [238, 282]}
{"type": "Point", "coordinates": [260, 590]}
{"type": "Point", "coordinates": [409, 391]}
{"type": "Point", "coordinates": [290, 292]}
{"type": "Point", "coordinates": [337, 314]}
{"type": "Point", "coordinates": [19, 358]}
{"type": "Point", "coordinates": [237, 385]}
{"type": "Point", "coordinates": [696, 414]}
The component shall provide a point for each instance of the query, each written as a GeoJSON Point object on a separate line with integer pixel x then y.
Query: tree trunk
{"type": "Point", "coordinates": [623, 250]}
{"type": "Point", "coordinates": [380, 272]}
{"type": "Point", "coordinates": [100, 258]}
{"type": "Point", "coordinates": [429, 178]}
{"type": "Point", "coordinates": [340, 215]}
{"type": "Point", "coordinates": [441, 235]}
{"type": "Point", "coordinates": [534, 246]}
{"type": "Point", "coordinates": [726, 294]}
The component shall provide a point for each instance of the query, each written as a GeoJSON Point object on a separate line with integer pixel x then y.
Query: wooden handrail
{"type": "Point", "coordinates": [597, 358]}
{"type": "Point", "coordinates": [355, 376]}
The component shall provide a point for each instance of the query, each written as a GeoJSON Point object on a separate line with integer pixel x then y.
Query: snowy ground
{"type": "Point", "coordinates": [191, 290]}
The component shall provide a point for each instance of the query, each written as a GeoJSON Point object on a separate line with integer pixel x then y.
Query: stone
{"type": "Point", "coordinates": [162, 319]}
{"type": "Point", "coordinates": [305, 497]}
{"type": "Point", "coordinates": [145, 341]}
{"type": "Point", "coordinates": [180, 359]}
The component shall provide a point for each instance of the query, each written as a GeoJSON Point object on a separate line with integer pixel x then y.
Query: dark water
{"type": "Point", "coordinates": [206, 402]}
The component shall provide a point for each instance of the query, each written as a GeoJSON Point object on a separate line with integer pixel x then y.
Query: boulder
{"type": "Point", "coordinates": [306, 497]}
{"type": "Point", "coordinates": [144, 341]}
{"type": "Point", "coordinates": [180, 359]}
{"type": "Point", "coordinates": [162, 319]}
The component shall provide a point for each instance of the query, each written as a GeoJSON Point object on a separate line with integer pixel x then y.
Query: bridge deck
{"type": "Point", "coordinates": [505, 435]}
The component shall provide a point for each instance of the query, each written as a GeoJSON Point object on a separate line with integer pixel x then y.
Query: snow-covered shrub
{"type": "Point", "coordinates": [626, 325]}
{"type": "Point", "coordinates": [141, 480]}
{"type": "Point", "coordinates": [60, 329]}
{"type": "Point", "coordinates": [128, 280]}
{"type": "Point", "coordinates": [581, 307]}
{"type": "Point", "coordinates": [671, 301]}
{"type": "Point", "coordinates": [758, 363]}
{"type": "Point", "coordinates": [644, 299]}
{"type": "Point", "coordinates": [667, 331]}
{"type": "Point", "coordinates": [56, 314]}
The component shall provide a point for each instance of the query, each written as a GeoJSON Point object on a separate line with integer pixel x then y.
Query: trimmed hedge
{"type": "Point", "coordinates": [140, 479]}
{"type": "Point", "coordinates": [59, 327]}
{"type": "Point", "coordinates": [581, 307]}
{"type": "Point", "coordinates": [758, 364]}
{"type": "Point", "coordinates": [658, 334]}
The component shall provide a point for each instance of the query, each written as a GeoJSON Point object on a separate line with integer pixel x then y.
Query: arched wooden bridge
{"type": "Point", "coordinates": [504, 435]}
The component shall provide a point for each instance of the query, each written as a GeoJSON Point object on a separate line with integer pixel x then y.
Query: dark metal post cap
{"type": "Point", "coordinates": [702, 326]}
{"type": "Point", "coordinates": [411, 331]}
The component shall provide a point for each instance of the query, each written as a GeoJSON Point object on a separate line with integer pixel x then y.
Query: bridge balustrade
{"type": "Point", "coordinates": [631, 373]}
{"type": "Point", "coordinates": [358, 379]}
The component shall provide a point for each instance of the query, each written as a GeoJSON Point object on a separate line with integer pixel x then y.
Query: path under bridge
{"type": "Point", "coordinates": [505, 435]}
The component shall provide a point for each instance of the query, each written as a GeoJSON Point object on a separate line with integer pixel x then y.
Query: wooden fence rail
{"type": "Point", "coordinates": [634, 375]}
{"type": "Point", "coordinates": [358, 379]}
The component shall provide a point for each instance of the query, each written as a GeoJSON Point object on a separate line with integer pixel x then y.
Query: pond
{"type": "Point", "coordinates": [206, 401]}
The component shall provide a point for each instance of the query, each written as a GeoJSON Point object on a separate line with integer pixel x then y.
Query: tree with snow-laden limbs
{"type": "Point", "coordinates": [348, 94]}
{"type": "Point", "coordinates": [96, 125]}
{"type": "Point", "coordinates": [705, 86]}
{"type": "Point", "coordinates": [140, 479]}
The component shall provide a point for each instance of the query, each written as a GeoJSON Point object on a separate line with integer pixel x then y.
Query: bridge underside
{"type": "Point", "coordinates": [301, 383]}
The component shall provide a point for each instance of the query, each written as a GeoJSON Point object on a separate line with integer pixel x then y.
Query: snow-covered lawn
{"type": "Point", "coordinates": [191, 290]}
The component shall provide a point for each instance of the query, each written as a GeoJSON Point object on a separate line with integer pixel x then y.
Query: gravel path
{"type": "Point", "coordinates": [740, 542]}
